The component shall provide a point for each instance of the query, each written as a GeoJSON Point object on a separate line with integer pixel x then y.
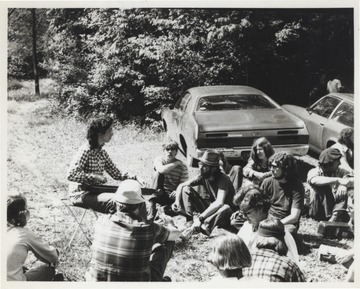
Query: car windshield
{"type": "Point", "coordinates": [233, 102]}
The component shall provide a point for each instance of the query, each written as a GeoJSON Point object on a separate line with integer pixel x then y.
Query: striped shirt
{"type": "Point", "coordinates": [175, 177]}
{"type": "Point", "coordinates": [87, 162]}
{"type": "Point", "coordinates": [269, 265]}
{"type": "Point", "coordinates": [122, 247]}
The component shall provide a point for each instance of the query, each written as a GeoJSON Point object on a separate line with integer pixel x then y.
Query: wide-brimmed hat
{"type": "Point", "coordinates": [329, 155]}
{"type": "Point", "coordinates": [210, 158]}
{"type": "Point", "coordinates": [129, 192]}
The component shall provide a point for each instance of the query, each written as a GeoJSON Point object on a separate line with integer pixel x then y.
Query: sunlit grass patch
{"type": "Point", "coordinates": [24, 90]}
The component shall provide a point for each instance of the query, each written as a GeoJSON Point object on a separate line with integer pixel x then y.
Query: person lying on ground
{"type": "Point", "coordinates": [88, 167]}
{"type": "Point", "coordinates": [20, 240]}
{"type": "Point", "coordinates": [127, 247]}
{"type": "Point", "coordinates": [340, 256]}
{"type": "Point", "coordinates": [169, 173]}
{"type": "Point", "coordinates": [212, 199]}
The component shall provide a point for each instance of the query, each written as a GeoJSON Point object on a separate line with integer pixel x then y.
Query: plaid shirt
{"type": "Point", "coordinates": [122, 247]}
{"type": "Point", "coordinates": [90, 161]}
{"type": "Point", "coordinates": [267, 264]}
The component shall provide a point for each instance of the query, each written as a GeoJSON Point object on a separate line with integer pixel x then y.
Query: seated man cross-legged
{"type": "Point", "coordinates": [212, 198]}
{"type": "Point", "coordinates": [285, 190]}
{"type": "Point", "coordinates": [169, 172]}
{"type": "Point", "coordinates": [331, 185]}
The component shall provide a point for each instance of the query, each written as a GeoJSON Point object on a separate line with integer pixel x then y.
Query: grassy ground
{"type": "Point", "coordinates": [40, 148]}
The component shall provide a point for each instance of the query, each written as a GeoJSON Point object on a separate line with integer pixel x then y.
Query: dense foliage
{"type": "Point", "coordinates": [131, 62]}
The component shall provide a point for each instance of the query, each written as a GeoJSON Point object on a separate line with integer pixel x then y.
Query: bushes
{"type": "Point", "coordinates": [131, 62]}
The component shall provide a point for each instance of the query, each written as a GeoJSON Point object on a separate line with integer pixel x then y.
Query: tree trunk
{"type": "Point", "coordinates": [35, 61]}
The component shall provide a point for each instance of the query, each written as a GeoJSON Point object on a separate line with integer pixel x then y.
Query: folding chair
{"type": "Point", "coordinates": [79, 221]}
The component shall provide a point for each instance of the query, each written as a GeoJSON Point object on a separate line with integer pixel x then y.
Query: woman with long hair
{"type": "Point", "coordinates": [257, 168]}
{"type": "Point", "coordinates": [88, 167]}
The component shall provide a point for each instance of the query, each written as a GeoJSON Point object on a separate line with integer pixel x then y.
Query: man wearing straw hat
{"type": "Point", "coordinates": [212, 198]}
{"type": "Point", "coordinates": [126, 246]}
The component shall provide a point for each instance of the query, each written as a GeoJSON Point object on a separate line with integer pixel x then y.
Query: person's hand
{"type": "Point", "coordinates": [172, 195]}
{"type": "Point", "coordinates": [128, 176]}
{"type": "Point", "coordinates": [235, 215]}
{"type": "Point", "coordinates": [262, 176]}
{"type": "Point", "coordinates": [344, 182]}
{"type": "Point", "coordinates": [341, 191]}
{"type": "Point", "coordinates": [99, 178]}
{"type": "Point", "coordinates": [196, 223]}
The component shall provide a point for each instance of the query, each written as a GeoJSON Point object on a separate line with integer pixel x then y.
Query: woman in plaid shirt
{"type": "Point", "coordinates": [88, 168]}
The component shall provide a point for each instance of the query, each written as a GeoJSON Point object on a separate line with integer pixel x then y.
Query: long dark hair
{"type": "Point", "coordinates": [265, 144]}
{"type": "Point", "coordinates": [16, 210]}
{"type": "Point", "coordinates": [96, 126]}
{"type": "Point", "coordinates": [287, 163]}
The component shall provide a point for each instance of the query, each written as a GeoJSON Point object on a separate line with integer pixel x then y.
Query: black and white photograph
{"type": "Point", "coordinates": [200, 143]}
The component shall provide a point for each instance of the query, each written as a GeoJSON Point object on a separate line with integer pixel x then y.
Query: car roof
{"type": "Point", "coordinates": [222, 89]}
{"type": "Point", "coordinates": [345, 96]}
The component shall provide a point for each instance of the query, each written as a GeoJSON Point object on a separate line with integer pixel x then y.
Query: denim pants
{"type": "Point", "coordinates": [191, 201]}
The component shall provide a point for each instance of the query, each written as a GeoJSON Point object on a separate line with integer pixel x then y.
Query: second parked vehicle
{"type": "Point", "coordinates": [326, 118]}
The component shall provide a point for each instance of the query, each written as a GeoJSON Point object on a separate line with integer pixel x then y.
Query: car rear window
{"type": "Point", "coordinates": [233, 102]}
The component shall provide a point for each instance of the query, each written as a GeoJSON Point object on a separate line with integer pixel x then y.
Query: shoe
{"type": "Point", "coordinates": [166, 279]}
{"type": "Point", "coordinates": [59, 277]}
{"type": "Point", "coordinates": [205, 230]}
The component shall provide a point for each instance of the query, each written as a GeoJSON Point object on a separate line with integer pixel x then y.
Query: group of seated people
{"type": "Point", "coordinates": [259, 205]}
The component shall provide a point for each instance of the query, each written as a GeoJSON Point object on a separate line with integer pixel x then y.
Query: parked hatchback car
{"type": "Point", "coordinates": [326, 118]}
{"type": "Point", "coordinates": [229, 118]}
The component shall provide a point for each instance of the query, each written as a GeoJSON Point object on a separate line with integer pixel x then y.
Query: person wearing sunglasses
{"type": "Point", "coordinates": [285, 190]}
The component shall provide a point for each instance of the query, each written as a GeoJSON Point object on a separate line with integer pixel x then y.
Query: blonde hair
{"type": "Point", "coordinates": [230, 253]}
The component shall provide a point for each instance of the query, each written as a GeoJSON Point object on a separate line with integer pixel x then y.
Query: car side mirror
{"type": "Point", "coordinates": [309, 110]}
